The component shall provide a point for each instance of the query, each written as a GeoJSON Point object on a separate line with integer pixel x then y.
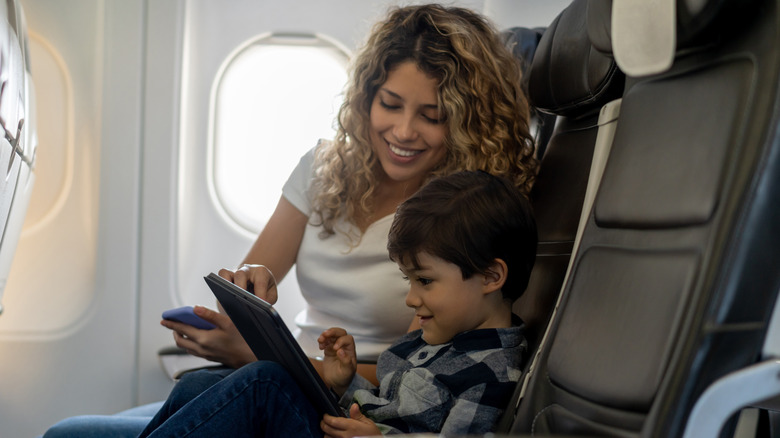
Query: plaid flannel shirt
{"type": "Point", "coordinates": [458, 388]}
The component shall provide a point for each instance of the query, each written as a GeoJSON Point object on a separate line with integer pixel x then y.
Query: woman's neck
{"type": "Point", "coordinates": [387, 196]}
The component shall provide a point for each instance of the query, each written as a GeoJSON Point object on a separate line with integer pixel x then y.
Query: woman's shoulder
{"type": "Point", "coordinates": [323, 147]}
{"type": "Point", "coordinates": [306, 164]}
{"type": "Point", "coordinates": [296, 188]}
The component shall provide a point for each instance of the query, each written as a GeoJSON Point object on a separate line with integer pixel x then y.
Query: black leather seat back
{"type": "Point", "coordinates": [677, 272]}
{"type": "Point", "coordinates": [563, 59]}
{"type": "Point", "coordinates": [523, 43]}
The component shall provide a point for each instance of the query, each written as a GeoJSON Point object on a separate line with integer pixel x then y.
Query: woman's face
{"type": "Point", "coordinates": [407, 133]}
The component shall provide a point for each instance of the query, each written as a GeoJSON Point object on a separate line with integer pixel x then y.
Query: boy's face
{"type": "Point", "coordinates": [445, 304]}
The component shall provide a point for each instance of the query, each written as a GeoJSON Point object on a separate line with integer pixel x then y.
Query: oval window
{"type": "Point", "coordinates": [275, 98]}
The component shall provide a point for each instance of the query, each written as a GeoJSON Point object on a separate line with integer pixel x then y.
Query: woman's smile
{"type": "Point", "coordinates": [407, 128]}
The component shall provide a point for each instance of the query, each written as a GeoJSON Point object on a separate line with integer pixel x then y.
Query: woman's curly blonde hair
{"type": "Point", "coordinates": [484, 107]}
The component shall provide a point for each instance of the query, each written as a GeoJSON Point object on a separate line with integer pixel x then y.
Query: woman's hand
{"type": "Point", "coordinates": [356, 425]}
{"type": "Point", "coordinates": [223, 344]}
{"type": "Point", "coordinates": [340, 362]}
{"type": "Point", "coordinates": [257, 279]}
{"type": "Point", "coordinates": [276, 248]}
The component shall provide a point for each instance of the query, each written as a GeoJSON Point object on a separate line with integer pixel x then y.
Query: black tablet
{"type": "Point", "coordinates": [270, 339]}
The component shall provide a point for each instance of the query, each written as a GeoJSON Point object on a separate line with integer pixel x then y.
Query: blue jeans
{"type": "Point", "coordinates": [125, 424]}
{"type": "Point", "coordinates": [259, 399]}
{"type": "Point", "coordinates": [129, 423]}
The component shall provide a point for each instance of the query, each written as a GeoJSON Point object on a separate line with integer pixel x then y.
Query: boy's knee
{"type": "Point", "coordinates": [264, 371]}
{"type": "Point", "coordinates": [263, 368]}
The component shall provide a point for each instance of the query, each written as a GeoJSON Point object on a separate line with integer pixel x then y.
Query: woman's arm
{"type": "Point", "coordinates": [277, 245]}
{"type": "Point", "coordinates": [276, 248]}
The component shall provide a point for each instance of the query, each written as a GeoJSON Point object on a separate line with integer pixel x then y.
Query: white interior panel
{"type": "Point", "coordinates": [67, 338]}
{"type": "Point", "coordinates": [523, 13]}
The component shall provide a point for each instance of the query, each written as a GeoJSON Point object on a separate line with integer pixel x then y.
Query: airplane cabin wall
{"type": "Point", "coordinates": [68, 330]}
{"type": "Point", "coordinates": [121, 225]}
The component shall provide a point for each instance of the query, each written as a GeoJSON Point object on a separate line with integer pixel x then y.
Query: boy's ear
{"type": "Point", "coordinates": [495, 276]}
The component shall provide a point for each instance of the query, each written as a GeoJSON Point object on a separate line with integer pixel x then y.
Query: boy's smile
{"type": "Point", "coordinates": [445, 304]}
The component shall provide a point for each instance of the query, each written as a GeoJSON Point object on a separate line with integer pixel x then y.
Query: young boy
{"type": "Point", "coordinates": [467, 243]}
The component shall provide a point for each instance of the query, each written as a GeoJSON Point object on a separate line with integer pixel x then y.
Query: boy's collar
{"type": "Point", "coordinates": [487, 339]}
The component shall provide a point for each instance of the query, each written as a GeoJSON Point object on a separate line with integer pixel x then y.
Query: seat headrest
{"type": "Point", "coordinates": [645, 35]}
{"type": "Point", "coordinates": [523, 43]}
{"type": "Point", "coordinates": [568, 76]}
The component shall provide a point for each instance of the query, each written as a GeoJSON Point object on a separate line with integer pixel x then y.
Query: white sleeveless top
{"type": "Point", "coordinates": [359, 289]}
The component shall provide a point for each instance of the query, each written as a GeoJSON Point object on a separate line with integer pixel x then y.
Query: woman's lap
{"type": "Point", "coordinates": [94, 426]}
{"type": "Point", "coordinates": [147, 410]}
{"type": "Point", "coordinates": [131, 422]}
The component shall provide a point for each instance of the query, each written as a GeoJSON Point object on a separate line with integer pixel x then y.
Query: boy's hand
{"type": "Point", "coordinates": [356, 425]}
{"type": "Point", "coordinates": [340, 362]}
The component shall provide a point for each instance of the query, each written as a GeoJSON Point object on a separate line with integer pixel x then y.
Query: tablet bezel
{"type": "Point", "coordinates": [269, 338]}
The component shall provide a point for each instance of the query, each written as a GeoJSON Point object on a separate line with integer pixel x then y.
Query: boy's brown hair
{"type": "Point", "coordinates": [469, 219]}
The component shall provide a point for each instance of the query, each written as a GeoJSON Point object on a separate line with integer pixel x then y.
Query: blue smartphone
{"type": "Point", "coordinates": [186, 315]}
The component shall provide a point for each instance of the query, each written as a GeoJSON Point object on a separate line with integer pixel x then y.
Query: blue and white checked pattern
{"type": "Point", "coordinates": [458, 388]}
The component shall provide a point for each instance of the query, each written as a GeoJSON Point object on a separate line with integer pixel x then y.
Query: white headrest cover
{"type": "Point", "coordinates": [643, 35]}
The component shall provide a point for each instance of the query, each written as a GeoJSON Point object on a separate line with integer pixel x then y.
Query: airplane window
{"type": "Point", "coordinates": [275, 98]}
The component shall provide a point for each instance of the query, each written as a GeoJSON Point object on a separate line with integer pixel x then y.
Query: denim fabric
{"type": "Point", "coordinates": [130, 423]}
{"type": "Point", "coordinates": [126, 424]}
{"type": "Point", "coordinates": [187, 388]}
{"type": "Point", "coordinates": [260, 399]}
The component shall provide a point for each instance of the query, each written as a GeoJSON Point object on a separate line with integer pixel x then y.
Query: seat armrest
{"type": "Point", "coordinates": [749, 387]}
{"type": "Point", "coordinates": [176, 362]}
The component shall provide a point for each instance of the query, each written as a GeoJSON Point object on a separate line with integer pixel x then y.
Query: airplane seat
{"type": "Point", "coordinates": [570, 81]}
{"type": "Point", "coordinates": [523, 43]}
{"type": "Point", "coordinates": [661, 323]}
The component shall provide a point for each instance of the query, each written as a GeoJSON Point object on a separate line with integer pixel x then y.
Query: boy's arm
{"type": "Point", "coordinates": [478, 409]}
{"type": "Point", "coordinates": [340, 360]}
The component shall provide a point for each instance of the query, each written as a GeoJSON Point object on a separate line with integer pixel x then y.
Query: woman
{"type": "Point", "coordinates": [433, 91]}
